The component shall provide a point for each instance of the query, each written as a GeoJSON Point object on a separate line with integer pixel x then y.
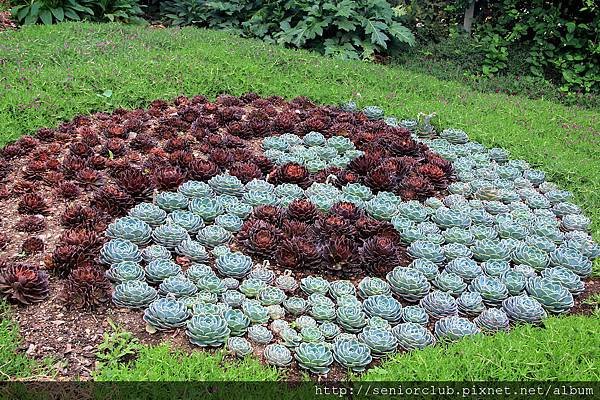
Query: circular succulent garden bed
{"type": "Point", "coordinates": [319, 236]}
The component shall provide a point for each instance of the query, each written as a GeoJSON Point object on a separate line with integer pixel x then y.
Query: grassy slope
{"type": "Point", "coordinates": [50, 74]}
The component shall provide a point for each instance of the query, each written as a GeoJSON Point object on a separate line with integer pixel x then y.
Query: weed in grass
{"type": "Point", "coordinates": [14, 363]}
{"type": "Point", "coordinates": [117, 346]}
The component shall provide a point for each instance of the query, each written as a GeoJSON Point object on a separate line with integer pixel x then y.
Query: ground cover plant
{"type": "Point", "coordinates": [228, 186]}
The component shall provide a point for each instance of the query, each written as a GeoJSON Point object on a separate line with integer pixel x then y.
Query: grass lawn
{"type": "Point", "coordinates": [51, 74]}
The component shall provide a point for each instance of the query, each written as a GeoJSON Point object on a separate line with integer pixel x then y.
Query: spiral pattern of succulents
{"type": "Point", "coordinates": [319, 236]}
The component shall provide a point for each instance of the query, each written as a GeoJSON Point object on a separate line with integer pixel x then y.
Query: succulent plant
{"type": "Point", "coordinates": [358, 190]}
{"type": "Point", "coordinates": [381, 210]}
{"type": "Point", "coordinates": [341, 288]}
{"type": "Point", "coordinates": [234, 264]}
{"type": "Point", "coordinates": [276, 311]}
{"type": "Point", "coordinates": [413, 211]}
{"type": "Point", "coordinates": [450, 282]}
{"type": "Point", "coordinates": [226, 184]}
{"type": "Point", "coordinates": [451, 218]}
{"type": "Point", "coordinates": [213, 235]}
{"type": "Point", "coordinates": [118, 250]}
{"type": "Point", "coordinates": [169, 235]}
{"type": "Point", "coordinates": [329, 330]}
{"type": "Point", "coordinates": [278, 355]}
{"type": "Point", "coordinates": [196, 271]}
{"type": "Point", "coordinates": [206, 308]}
{"type": "Point", "coordinates": [241, 210]}
{"type": "Point", "coordinates": [189, 221]}
{"type": "Point", "coordinates": [271, 296]}
{"type": "Point", "coordinates": [514, 281]}
{"type": "Point", "coordinates": [454, 136]}
{"type": "Point", "coordinates": [231, 283]}
{"type": "Point", "coordinates": [415, 314]}
{"type": "Point", "coordinates": [220, 250]}
{"type": "Point", "coordinates": [571, 259]}
{"type": "Point", "coordinates": [492, 289]}
{"type": "Point", "coordinates": [495, 268]}
{"type": "Point", "coordinates": [129, 228]}
{"type": "Point", "coordinates": [352, 354]}
{"type": "Point", "coordinates": [210, 283]}
{"type": "Point", "coordinates": [314, 284]}
{"type": "Point", "coordinates": [311, 334]}
{"type": "Point", "coordinates": [166, 313]}
{"type": "Point", "coordinates": [412, 336]}
{"type": "Point", "coordinates": [207, 330]}
{"type": "Point", "coordinates": [290, 338]}
{"type": "Point", "coordinates": [159, 270]}
{"type": "Point", "coordinates": [351, 318]}
{"type": "Point", "coordinates": [295, 305]}
{"type": "Point", "coordinates": [487, 249]}
{"type": "Point", "coordinates": [193, 189]}
{"type": "Point", "coordinates": [553, 296]}
{"type": "Point", "coordinates": [439, 304]}
{"type": "Point", "coordinates": [230, 222]}
{"type": "Point", "coordinates": [565, 277]}
{"type": "Point", "coordinates": [251, 287]}
{"type": "Point", "coordinates": [149, 213]}
{"type": "Point", "coordinates": [23, 283]}
{"type": "Point", "coordinates": [177, 286]}
{"type": "Point", "coordinates": [259, 334]}
{"type": "Point", "coordinates": [315, 357]}
{"type": "Point", "coordinates": [492, 320]}
{"type": "Point", "coordinates": [371, 286]}
{"type": "Point", "coordinates": [233, 298]}
{"type": "Point", "coordinates": [427, 250]}
{"type": "Point", "coordinates": [133, 294]}
{"type": "Point", "coordinates": [239, 346]}
{"type": "Point", "coordinates": [465, 268]}
{"type": "Point", "coordinates": [426, 267]}
{"type": "Point", "coordinates": [470, 304]}
{"type": "Point", "coordinates": [286, 282]}
{"type": "Point", "coordinates": [454, 251]}
{"type": "Point", "coordinates": [408, 283]}
{"type": "Point", "coordinates": [263, 273]}
{"type": "Point", "coordinates": [192, 250]}
{"type": "Point", "coordinates": [257, 313]}
{"type": "Point", "coordinates": [125, 271]}
{"type": "Point", "coordinates": [323, 312]}
{"type": "Point", "coordinates": [156, 252]}
{"type": "Point", "coordinates": [383, 306]}
{"type": "Point", "coordinates": [530, 255]}
{"type": "Point", "coordinates": [171, 201]}
{"type": "Point", "coordinates": [454, 328]}
{"type": "Point", "coordinates": [206, 208]}
{"type": "Point", "coordinates": [524, 309]}
{"type": "Point", "coordinates": [380, 341]}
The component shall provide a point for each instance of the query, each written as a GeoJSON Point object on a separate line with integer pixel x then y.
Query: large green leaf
{"type": "Point", "coordinates": [402, 33]}
{"type": "Point", "coordinates": [46, 16]}
{"type": "Point", "coordinates": [58, 13]}
{"type": "Point", "coordinates": [376, 30]}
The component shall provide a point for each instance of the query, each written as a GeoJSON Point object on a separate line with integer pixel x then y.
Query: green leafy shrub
{"type": "Point", "coordinates": [49, 12]}
{"type": "Point", "coordinates": [350, 29]}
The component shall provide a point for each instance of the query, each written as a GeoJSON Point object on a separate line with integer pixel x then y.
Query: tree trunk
{"type": "Point", "coordinates": [468, 20]}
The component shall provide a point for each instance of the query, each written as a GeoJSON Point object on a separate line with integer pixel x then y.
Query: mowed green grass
{"type": "Point", "coordinates": [51, 74]}
{"type": "Point", "coordinates": [566, 349]}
